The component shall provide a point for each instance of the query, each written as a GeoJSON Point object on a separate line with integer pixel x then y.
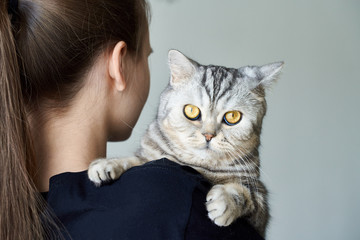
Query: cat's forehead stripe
{"type": "Point", "coordinates": [217, 81]}
{"type": "Point", "coordinates": [204, 82]}
{"type": "Point", "coordinates": [218, 77]}
{"type": "Point", "coordinates": [230, 81]}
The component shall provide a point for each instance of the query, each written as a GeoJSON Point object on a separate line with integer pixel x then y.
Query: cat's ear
{"type": "Point", "coordinates": [270, 73]}
{"type": "Point", "coordinates": [262, 76]}
{"type": "Point", "coordinates": [181, 67]}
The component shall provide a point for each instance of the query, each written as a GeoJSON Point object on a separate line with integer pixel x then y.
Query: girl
{"type": "Point", "coordinates": [74, 75]}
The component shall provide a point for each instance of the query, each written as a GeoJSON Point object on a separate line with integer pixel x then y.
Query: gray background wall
{"type": "Point", "coordinates": [310, 142]}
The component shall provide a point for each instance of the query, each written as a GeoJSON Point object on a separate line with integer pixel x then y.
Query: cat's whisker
{"type": "Point", "coordinates": [252, 179]}
{"type": "Point", "coordinates": [136, 130]}
{"type": "Point", "coordinates": [263, 173]}
{"type": "Point", "coordinates": [254, 168]}
{"type": "Point", "coordinates": [233, 158]}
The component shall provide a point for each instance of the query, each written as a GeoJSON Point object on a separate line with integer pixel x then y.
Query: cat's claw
{"type": "Point", "coordinates": [221, 206]}
{"type": "Point", "coordinates": [104, 170]}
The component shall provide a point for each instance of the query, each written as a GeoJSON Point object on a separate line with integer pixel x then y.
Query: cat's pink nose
{"type": "Point", "coordinates": [208, 136]}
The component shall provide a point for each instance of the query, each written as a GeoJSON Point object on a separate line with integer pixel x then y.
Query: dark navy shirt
{"type": "Point", "coordinates": [158, 200]}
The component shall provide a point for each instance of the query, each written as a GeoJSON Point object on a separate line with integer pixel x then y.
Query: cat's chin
{"type": "Point", "coordinates": [208, 151]}
{"type": "Point", "coordinates": [204, 151]}
{"type": "Point", "coordinates": [209, 148]}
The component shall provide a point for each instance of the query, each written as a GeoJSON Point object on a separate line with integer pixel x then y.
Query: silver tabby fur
{"type": "Point", "coordinates": [230, 160]}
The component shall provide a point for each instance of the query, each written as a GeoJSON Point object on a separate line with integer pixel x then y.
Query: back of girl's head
{"type": "Point", "coordinates": [58, 39]}
{"type": "Point", "coordinates": [46, 47]}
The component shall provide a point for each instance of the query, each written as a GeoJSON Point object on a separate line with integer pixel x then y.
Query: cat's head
{"type": "Point", "coordinates": [213, 111]}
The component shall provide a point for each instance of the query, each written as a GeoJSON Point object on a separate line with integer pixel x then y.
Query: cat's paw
{"type": "Point", "coordinates": [104, 170]}
{"type": "Point", "coordinates": [222, 206]}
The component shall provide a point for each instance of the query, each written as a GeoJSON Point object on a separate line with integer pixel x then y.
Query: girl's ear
{"type": "Point", "coordinates": [116, 65]}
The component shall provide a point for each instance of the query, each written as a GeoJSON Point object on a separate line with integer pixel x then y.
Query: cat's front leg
{"type": "Point", "coordinates": [227, 202]}
{"type": "Point", "coordinates": [106, 169]}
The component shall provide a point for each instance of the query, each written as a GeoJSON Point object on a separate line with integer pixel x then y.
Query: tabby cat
{"type": "Point", "coordinates": [209, 118]}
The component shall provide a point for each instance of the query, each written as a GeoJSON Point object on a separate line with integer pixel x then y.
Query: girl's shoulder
{"type": "Point", "coordinates": [158, 200]}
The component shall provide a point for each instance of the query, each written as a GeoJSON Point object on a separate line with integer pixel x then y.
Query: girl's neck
{"type": "Point", "coordinates": [67, 143]}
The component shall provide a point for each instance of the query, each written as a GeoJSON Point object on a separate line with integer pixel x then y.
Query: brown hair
{"type": "Point", "coordinates": [43, 55]}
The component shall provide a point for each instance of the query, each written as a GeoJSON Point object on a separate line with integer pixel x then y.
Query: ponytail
{"type": "Point", "coordinates": [87, 27]}
{"type": "Point", "coordinates": [21, 207]}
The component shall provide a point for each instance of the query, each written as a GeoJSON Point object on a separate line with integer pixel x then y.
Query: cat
{"type": "Point", "coordinates": [209, 118]}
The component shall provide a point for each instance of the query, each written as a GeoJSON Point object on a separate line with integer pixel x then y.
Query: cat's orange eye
{"type": "Point", "coordinates": [232, 117]}
{"type": "Point", "coordinates": [192, 112]}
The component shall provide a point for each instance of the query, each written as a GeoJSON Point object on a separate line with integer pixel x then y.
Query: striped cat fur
{"type": "Point", "coordinates": [230, 159]}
